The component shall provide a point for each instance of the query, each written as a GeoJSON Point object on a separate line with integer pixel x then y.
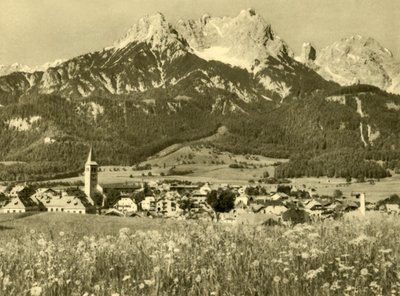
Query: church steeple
{"type": "Point", "coordinates": [90, 159]}
{"type": "Point", "coordinates": [91, 175]}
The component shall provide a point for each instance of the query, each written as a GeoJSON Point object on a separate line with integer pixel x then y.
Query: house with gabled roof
{"type": "Point", "coordinates": [126, 204]}
{"type": "Point", "coordinates": [20, 205]}
{"type": "Point", "coordinates": [21, 190]}
{"type": "Point", "coordinates": [273, 207]}
{"type": "Point", "coordinates": [65, 203]}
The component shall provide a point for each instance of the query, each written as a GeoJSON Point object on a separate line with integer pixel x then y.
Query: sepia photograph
{"type": "Point", "coordinates": [209, 147]}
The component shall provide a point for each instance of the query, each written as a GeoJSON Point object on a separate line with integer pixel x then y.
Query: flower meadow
{"type": "Point", "coordinates": [202, 258]}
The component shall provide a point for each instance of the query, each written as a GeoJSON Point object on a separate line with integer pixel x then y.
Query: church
{"type": "Point", "coordinates": [91, 176]}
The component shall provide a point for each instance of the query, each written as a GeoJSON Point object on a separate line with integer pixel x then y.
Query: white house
{"type": "Point", "coordinates": [126, 204]}
{"type": "Point", "coordinates": [205, 189]}
{"type": "Point", "coordinates": [279, 196]}
{"type": "Point", "coordinates": [20, 205]}
{"type": "Point", "coordinates": [148, 204]}
{"type": "Point", "coordinates": [168, 207]}
{"type": "Point", "coordinates": [64, 203]}
{"type": "Point", "coordinates": [199, 196]}
{"type": "Point", "coordinates": [242, 198]}
{"type": "Point", "coordinates": [274, 208]}
{"type": "Point", "coordinates": [392, 208]}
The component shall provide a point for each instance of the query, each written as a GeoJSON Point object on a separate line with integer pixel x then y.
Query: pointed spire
{"type": "Point", "coordinates": [90, 159]}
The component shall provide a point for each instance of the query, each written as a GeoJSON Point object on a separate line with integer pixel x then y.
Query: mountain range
{"type": "Point", "coordinates": [162, 84]}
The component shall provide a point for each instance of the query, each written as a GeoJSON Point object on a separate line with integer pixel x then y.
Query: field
{"type": "Point", "coordinates": [48, 254]}
{"type": "Point", "coordinates": [207, 165]}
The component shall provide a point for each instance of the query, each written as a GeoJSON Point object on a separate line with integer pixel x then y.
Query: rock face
{"type": "Point", "coordinates": [239, 41]}
{"type": "Point", "coordinates": [8, 69]}
{"type": "Point", "coordinates": [308, 54]}
{"type": "Point", "coordinates": [358, 60]}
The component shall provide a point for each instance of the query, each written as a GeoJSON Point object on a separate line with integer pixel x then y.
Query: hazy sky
{"type": "Point", "coordinates": [33, 32]}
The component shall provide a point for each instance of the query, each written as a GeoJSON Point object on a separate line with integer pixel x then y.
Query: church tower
{"type": "Point", "coordinates": [91, 178]}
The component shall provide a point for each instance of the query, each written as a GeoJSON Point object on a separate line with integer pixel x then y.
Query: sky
{"type": "Point", "coordinates": [34, 32]}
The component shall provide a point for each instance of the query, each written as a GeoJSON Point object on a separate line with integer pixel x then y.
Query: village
{"type": "Point", "coordinates": [243, 204]}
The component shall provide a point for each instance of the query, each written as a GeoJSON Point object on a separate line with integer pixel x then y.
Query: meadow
{"type": "Point", "coordinates": [49, 254]}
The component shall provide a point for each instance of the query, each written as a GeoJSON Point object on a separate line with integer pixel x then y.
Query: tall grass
{"type": "Point", "coordinates": [191, 258]}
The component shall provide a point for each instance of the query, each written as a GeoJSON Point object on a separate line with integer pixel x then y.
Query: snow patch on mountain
{"type": "Point", "coordinates": [49, 140]}
{"type": "Point", "coordinates": [356, 60]}
{"type": "Point", "coordinates": [92, 109]}
{"type": "Point", "coordinates": [372, 135]}
{"type": "Point", "coordinates": [362, 135]}
{"type": "Point", "coordinates": [268, 99]}
{"type": "Point", "coordinates": [22, 124]}
{"type": "Point", "coordinates": [278, 87]}
{"type": "Point", "coordinates": [393, 106]}
{"type": "Point", "coordinates": [238, 41]}
{"type": "Point", "coordinates": [337, 99]}
{"type": "Point", "coordinates": [226, 107]}
{"type": "Point", "coordinates": [359, 108]}
{"type": "Point", "coordinates": [221, 54]}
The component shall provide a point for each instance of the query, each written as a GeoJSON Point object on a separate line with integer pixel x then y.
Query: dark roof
{"type": "Point", "coordinates": [394, 199]}
{"type": "Point", "coordinates": [27, 202]}
{"type": "Point", "coordinates": [121, 186]}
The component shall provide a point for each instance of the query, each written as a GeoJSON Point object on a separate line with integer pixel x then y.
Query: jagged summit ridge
{"type": "Point", "coordinates": [155, 30]}
{"type": "Point", "coordinates": [357, 59]}
{"type": "Point", "coordinates": [239, 40]}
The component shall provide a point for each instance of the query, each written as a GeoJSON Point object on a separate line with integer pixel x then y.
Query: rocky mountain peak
{"type": "Point", "coordinates": [239, 40]}
{"type": "Point", "coordinates": [152, 29]}
{"type": "Point", "coordinates": [356, 59]}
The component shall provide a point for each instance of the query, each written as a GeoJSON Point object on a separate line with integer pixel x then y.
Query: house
{"type": "Point", "coordinates": [199, 196]}
{"type": "Point", "coordinates": [21, 190]}
{"type": "Point", "coordinates": [314, 205]}
{"type": "Point", "coordinates": [243, 197]}
{"type": "Point", "coordinates": [126, 204]}
{"type": "Point", "coordinates": [167, 207]}
{"type": "Point", "coordinates": [174, 195]}
{"type": "Point", "coordinates": [20, 205]}
{"type": "Point", "coordinates": [113, 212]}
{"type": "Point", "coordinates": [261, 199]}
{"type": "Point", "coordinates": [43, 194]}
{"type": "Point", "coordinates": [148, 204]}
{"type": "Point", "coordinates": [240, 208]}
{"type": "Point", "coordinates": [392, 208]}
{"type": "Point", "coordinates": [273, 207]}
{"type": "Point", "coordinates": [65, 203]}
{"type": "Point", "coordinates": [125, 189]}
{"type": "Point", "coordinates": [205, 189]}
{"type": "Point", "coordinates": [183, 187]}
{"type": "Point", "coordinates": [280, 196]}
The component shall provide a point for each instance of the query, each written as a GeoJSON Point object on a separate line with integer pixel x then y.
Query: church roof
{"type": "Point", "coordinates": [90, 159]}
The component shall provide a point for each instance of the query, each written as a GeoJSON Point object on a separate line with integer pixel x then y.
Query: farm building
{"type": "Point", "coordinates": [20, 205]}
{"type": "Point", "coordinates": [167, 207]}
{"type": "Point", "coordinates": [65, 203]}
{"type": "Point", "coordinates": [273, 207]}
{"type": "Point", "coordinates": [148, 204]}
{"type": "Point", "coordinates": [126, 204]}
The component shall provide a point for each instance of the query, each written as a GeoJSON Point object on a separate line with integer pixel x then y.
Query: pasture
{"type": "Point", "coordinates": [49, 254]}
